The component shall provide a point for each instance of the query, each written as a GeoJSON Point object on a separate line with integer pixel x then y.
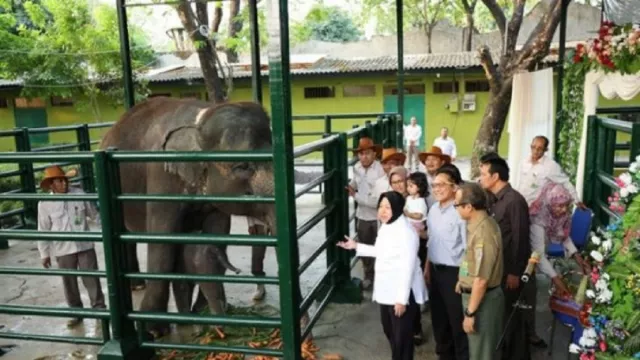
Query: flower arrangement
{"type": "Point", "coordinates": [615, 49]}
{"type": "Point", "coordinates": [612, 308]}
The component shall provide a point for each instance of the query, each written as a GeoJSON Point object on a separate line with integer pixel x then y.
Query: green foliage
{"type": "Point", "coordinates": [67, 49]}
{"type": "Point", "coordinates": [325, 23]}
{"type": "Point", "coordinates": [242, 41]}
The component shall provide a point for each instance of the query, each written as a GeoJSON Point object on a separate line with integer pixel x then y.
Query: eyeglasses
{"type": "Point", "coordinates": [440, 185]}
{"type": "Point", "coordinates": [460, 204]}
{"type": "Point", "coordinates": [397, 182]}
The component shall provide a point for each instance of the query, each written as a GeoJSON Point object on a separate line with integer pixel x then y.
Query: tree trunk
{"type": "Point", "coordinates": [235, 26]}
{"type": "Point", "coordinates": [468, 35]}
{"type": "Point", "coordinates": [204, 46]}
{"type": "Point", "coordinates": [428, 31]}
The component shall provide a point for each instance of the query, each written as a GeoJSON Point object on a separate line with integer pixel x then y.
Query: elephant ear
{"type": "Point", "coordinates": [185, 138]}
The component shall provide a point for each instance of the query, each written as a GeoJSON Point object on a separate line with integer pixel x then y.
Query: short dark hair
{"type": "Point", "coordinates": [544, 139]}
{"type": "Point", "coordinates": [452, 172]}
{"type": "Point", "coordinates": [473, 195]}
{"type": "Point", "coordinates": [420, 179]}
{"type": "Point", "coordinates": [496, 165]}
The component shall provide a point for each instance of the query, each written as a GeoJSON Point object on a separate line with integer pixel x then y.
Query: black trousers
{"type": "Point", "coordinates": [422, 255]}
{"type": "Point", "coordinates": [516, 343]}
{"type": "Point", "coordinates": [446, 314]}
{"type": "Point", "coordinates": [399, 330]}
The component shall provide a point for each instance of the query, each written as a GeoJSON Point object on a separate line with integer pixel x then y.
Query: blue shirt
{"type": "Point", "coordinates": [447, 235]}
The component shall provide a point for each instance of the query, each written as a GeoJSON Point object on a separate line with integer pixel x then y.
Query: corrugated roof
{"type": "Point", "coordinates": [333, 65]}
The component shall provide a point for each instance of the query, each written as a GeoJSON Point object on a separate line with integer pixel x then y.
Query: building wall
{"type": "Point", "coordinates": [462, 125]}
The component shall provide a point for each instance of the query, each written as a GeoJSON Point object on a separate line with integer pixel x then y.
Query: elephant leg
{"type": "Point", "coordinates": [161, 258]}
{"type": "Point", "coordinates": [258, 254]}
{"type": "Point", "coordinates": [183, 295]}
{"type": "Point", "coordinates": [133, 265]}
{"type": "Point", "coordinates": [201, 303]}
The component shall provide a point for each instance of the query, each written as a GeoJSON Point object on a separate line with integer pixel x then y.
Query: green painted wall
{"type": "Point", "coordinates": [462, 125]}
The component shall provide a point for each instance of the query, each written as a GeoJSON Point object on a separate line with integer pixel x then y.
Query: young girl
{"type": "Point", "coordinates": [416, 206]}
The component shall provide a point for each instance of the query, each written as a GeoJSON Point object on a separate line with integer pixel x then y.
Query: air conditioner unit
{"type": "Point", "coordinates": [469, 102]}
{"type": "Point", "coordinates": [452, 104]}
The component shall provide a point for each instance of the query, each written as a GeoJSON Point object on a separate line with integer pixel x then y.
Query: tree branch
{"type": "Point", "coordinates": [497, 13]}
{"type": "Point", "coordinates": [514, 26]}
{"type": "Point", "coordinates": [217, 18]}
{"type": "Point", "coordinates": [537, 46]}
{"type": "Point", "coordinates": [493, 76]}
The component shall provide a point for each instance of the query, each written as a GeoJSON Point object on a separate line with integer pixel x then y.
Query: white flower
{"type": "Point", "coordinates": [590, 294]}
{"type": "Point", "coordinates": [632, 189]}
{"type": "Point", "coordinates": [601, 285]}
{"type": "Point", "coordinates": [626, 178]}
{"type": "Point", "coordinates": [596, 240]}
{"type": "Point", "coordinates": [605, 276]}
{"type": "Point", "coordinates": [638, 159]}
{"type": "Point", "coordinates": [588, 338]}
{"type": "Point", "coordinates": [597, 256]}
{"type": "Point", "coordinates": [574, 349]}
{"type": "Point", "coordinates": [634, 167]}
{"type": "Point", "coordinates": [624, 192]}
{"type": "Point", "coordinates": [606, 245]}
{"type": "Point", "coordinates": [604, 296]}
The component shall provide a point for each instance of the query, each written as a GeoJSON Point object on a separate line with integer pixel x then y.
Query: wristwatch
{"type": "Point", "coordinates": [469, 314]}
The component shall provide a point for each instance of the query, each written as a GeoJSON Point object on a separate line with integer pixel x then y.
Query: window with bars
{"type": "Point", "coordinates": [61, 101]}
{"type": "Point", "coordinates": [319, 92]}
{"type": "Point", "coordinates": [4, 103]}
{"type": "Point", "coordinates": [476, 86]}
{"type": "Point", "coordinates": [408, 89]}
{"type": "Point", "coordinates": [445, 87]}
{"type": "Point", "coordinates": [358, 90]}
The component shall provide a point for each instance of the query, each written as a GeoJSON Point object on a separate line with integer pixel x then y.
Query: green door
{"type": "Point", "coordinates": [33, 118]}
{"type": "Point", "coordinates": [413, 106]}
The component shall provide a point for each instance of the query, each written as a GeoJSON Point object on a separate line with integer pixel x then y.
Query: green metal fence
{"type": "Point", "coordinates": [600, 162]}
{"type": "Point", "coordinates": [121, 339]}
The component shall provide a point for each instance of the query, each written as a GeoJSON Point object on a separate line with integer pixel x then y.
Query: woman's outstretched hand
{"type": "Point", "coordinates": [348, 244]}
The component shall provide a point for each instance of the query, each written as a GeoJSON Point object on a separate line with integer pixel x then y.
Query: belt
{"type": "Point", "coordinates": [466, 290]}
{"type": "Point", "coordinates": [440, 267]}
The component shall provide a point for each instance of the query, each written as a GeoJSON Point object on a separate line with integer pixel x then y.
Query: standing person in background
{"type": "Point", "coordinates": [412, 135]}
{"type": "Point", "coordinates": [433, 160]}
{"type": "Point", "coordinates": [480, 274]}
{"type": "Point", "coordinates": [365, 174]}
{"type": "Point", "coordinates": [398, 286]}
{"type": "Point", "coordinates": [511, 212]}
{"type": "Point", "coordinates": [446, 143]}
{"type": "Point", "coordinates": [76, 255]}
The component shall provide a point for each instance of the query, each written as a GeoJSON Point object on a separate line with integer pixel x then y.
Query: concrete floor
{"type": "Point", "coordinates": [351, 330]}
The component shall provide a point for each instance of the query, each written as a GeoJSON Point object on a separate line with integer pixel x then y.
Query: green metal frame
{"type": "Point", "coordinates": [600, 165]}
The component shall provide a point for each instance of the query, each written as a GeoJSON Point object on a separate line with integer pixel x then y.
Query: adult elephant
{"type": "Point", "coordinates": [167, 124]}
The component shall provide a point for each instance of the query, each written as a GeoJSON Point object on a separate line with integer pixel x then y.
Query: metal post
{"type": "Point", "coordinates": [634, 151]}
{"type": "Point", "coordinates": [256, 78]}
{"type": "Point", "coordinates": [327, 125]}
{"type": "Point", "coordinates": [399, 126]}
{"type": "Point", "coordinates": [27, 179]}
{"type": "Point", "coordinates": [369, 131]}
{"type": "Point", "coordinates": [123, 344]}
{"type": "Point", "coordinates": [86, 169]}
{"type": "Point", "coordinates": [590, 169]}
{"type": "Point", "coordinates": [125, 55]}
{"type": "Point", "coordinates": [400, 39]}
{"type": "Point", "coordinates": [280, 94]}
{"type": "Point", "coordinates": [560, 65]}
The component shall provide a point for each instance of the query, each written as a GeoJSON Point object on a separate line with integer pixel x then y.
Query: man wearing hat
{"type": "Point", "coordinates": [391, 158]}
{"type": "Point", "coordinates": [69, 216]}
{"type": "Point", "coordinates": [366, 172]}
{"type": "Point", "coordinates": [433, 160]}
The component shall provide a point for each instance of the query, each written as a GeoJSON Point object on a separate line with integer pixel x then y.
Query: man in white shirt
{"type": "Point", "coordinates": [365, 174]}
{"type": "Point", "coordinates": [446, 143]}
{"type": "Point", "coordinates": [538, 169]}
{"type": "Point", "coordinates": [77, 255]}
{"type": "Point", "coordinates": [412, 134]}
{"type": "Point", "coordinates": [433, 160]}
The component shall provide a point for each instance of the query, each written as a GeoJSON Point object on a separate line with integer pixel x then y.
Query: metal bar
{"type": "Point", "coordinates": [314, 220]}
{"type": "Point", "coordinates": [49, 197]}
{"type": "Point", "coordinates": [309, 133]}
{"type": "Point", "coordinates": [315, 183]}
{"type": "Point", "coordinates": [305, 265]}
{"type": "Point", "coordinates": [192, 319]}
{"type": "Point", "coordinates": [188, 156]}
{"type": "Point", "coordinates": [125, 54]}
{"type": "Point", "coordinates": [101, 125]}
{"type": "Point", "coordinates": [10, 173]}
{"type": "Point", "coordinates": [7, 133]}
{"type": "Point", "coordinates": [615, 124]}
{"type": "Point", "coordinates": [313, 146]}
{"type": "Point", "coordinates": [84, 144]}
{"type": "Point", "coordinates": [316, 316]}
{"type": "Point", "coordinates": [204, 239]}
{"type": "Point", "coordinates": [72, 156]}
{"type": "Point", "coordinates": [170, 2]}
{"type": "Point", "coordinates": [288, 255]}
{"type": "Point", "coordinates": [51, 235]}
{"type": "Point", "coordinates": [256, 78]}
{"type": "Point", "coordinates": [400, 40]}
{"type": "Point", "coordinates": [236, 279]}
{"type": "Point", "coordinates": [33, 310]}
{"type": "Point", "coordinates": [607, 179]}
{"type": "Point", "coordinates": [11, 213]}
{"type": "Point", "coordinates": [635, 142]}
{"type": "Point", "coordinates": [198, 198]}
{"type": "Point", "coordinates": [590, 161]}
{"type": "Point", "coordinates": [342, 116]}
{"type": "Point", "coordinates": [308, 300]}
{"type": "Point", "coordinates": [55, 147]}
{"type": "Point", "coordinates": [43, 167]}
{"type": "Point", "coordinates": [49, 272]}
{"type": "Point", "coordinates": [618, 110]}
{"type": "Point", "coordinates": [602, 206]}
{"type": "Point", "coordinates": [213, 348]}
{"type": "Point", "coordinates": [52, 129]}
{"type": "Point", "coordinates": [53, 338]}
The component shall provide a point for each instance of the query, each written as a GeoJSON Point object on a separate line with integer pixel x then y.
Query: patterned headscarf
{"type": "Point", "coordinates": [541, 210]}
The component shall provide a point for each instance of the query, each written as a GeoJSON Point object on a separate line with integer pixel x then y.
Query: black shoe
{"type": "Point", "coordinates": [419, 339]}
{"type": "Point", "coordinates": [538, 343]}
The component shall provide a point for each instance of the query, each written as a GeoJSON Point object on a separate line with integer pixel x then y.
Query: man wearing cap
{"type": "Point", "coordinates": [391, 158]}
{"type": "Point", "coordinates": [362, 188]}
{"type": "Point", "coordinates": [69, 216]}
{"type": "Point", "coordinates": [433, 160]}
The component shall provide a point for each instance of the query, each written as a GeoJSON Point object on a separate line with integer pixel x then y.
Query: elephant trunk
{"type": "Point", "coordinates": [263, 183]}
{"type": "Point", "coordinates": [224, 261]}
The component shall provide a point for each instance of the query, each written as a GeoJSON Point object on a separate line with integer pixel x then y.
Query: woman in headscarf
{"type": "Point", "coordinates": [398, 180]}
{"type": "Point", "coordinates": [398, 285]}
{"type": "Point", "coordinates": [550, 224]}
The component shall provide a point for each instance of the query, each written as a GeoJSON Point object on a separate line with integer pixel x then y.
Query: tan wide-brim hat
{"type": "Point", "coordinates": [434, 151]}
{"type": "Point", "coordinates": [367, 143]}
{"type": "Point", "coordinates": [392, 154]}
{"type": "Point", "coordinates": [51, 173]}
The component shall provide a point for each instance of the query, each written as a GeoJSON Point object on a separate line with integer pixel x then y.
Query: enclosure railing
{"type": "Point", "coordinates": [617, 112]}
{"type": "Point", "coordinates": [600, 156]}
{"type": "Point", "coordinates": [122, 338]}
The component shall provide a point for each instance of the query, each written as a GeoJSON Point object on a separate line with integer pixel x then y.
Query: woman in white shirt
{"type": "Point", "coordinates": [398, 285]}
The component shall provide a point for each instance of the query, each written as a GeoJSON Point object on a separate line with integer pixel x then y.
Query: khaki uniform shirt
{"type": "Point", "coordinates": [483, 256]}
